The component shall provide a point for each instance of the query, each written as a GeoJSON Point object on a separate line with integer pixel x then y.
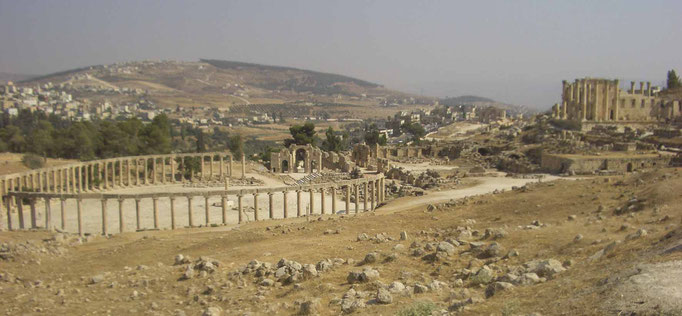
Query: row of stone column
{"type": "Point", "coordinates": [373, 194]}
{"type": "Point", "coordinates": [118, 173]}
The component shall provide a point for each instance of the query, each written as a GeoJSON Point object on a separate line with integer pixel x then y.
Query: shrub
{"type": "Point", "coordinates": [418, 309]}
{"type": "Point", "coordinates": [33, 161]}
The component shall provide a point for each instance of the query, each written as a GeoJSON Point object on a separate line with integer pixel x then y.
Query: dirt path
{"type": "Point", "coordinates": [486, 185]}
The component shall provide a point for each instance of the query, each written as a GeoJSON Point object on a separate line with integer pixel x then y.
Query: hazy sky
{"type": "Point", "coordinates": [511, 51]}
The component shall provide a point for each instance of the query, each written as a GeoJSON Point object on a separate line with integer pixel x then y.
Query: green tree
{"type": "Point", "coordinates": [332, 142]}
{"type": "Point", "coordinates": [40, 140]}
{"type": "Point", "coordinates": [301, 134]}
{"type": "Point", "coordinates": [415, 129]}
{"type": "Point", "coordinates": [201, 141]}
{"type": "Point", "coordinates": [156, 139]}
{"type": "Point", "coordinates": [236, 145]}
{"type": "Point", "coordinates": [673, 80]}
{"type": "Point", "coordinates": [373, 136]}
{"type": "Point", "coordinates": [14, 138]}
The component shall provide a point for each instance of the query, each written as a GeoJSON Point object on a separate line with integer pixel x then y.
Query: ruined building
{"type": "Point", "coordinates": [602, 100]}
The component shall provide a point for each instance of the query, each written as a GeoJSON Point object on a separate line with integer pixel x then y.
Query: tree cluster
{"type": "Point", "coordinates": [51, 136]}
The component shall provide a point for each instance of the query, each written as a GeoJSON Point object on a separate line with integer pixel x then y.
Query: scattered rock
{"type": "Point", "coordinates": [310, 307]}
{"type": "Point", "coordinates": [497, 287]}
{"type": "Point", "coordinates": [213, 311]}
{"type": "Point", "coordinates": [384, 296]}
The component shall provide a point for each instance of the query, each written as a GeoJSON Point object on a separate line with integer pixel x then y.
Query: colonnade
{"type": "Point", "coordinates": [122, 172]}
{"type": "Point", "coordinates": [368, 193]}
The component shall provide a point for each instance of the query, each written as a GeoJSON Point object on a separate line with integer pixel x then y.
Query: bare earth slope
{"type": "Point", "coordinates": [515, 252]}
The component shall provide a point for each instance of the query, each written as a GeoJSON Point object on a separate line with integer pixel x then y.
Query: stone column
{"type": "Point", "coordinates": [322, 204]}
{"type": "Point", "coordinates": [48, 215]}
{"type": "Point", "coordinates": [648, 88]}
{"type": "Point", "coordinates": [120, 172]}
{"type": "Point", "coordinates": [223, 205]}
{"type": "Point", "coordinates": [79, 209]}
{"type": "Point", "coordinates": [9, 212]}
{"type": "Point", "coordinates": [333, 200]}
{"type": "Point", "coordinates": [137, 171]}
{"type": "Point", "coordinates": [154, 170]}
{"type": "Point", "coordinates": [373, 188]}
{"type": "Point", "coordinates": [222, 167]}
{"type": "Point", "coordinates": [62, 204]}
{"type": "Point", "coordinates": [641, 87]}
{"type": "Point", "coordinates": [596, 105]}
{"type": "Point", "coordinates": [243, 166]}
{"type": "Point", "coordinates": [271, 206]}
{"type": "Point", "coordinates": [172, 211]}
{"type": "Point", "coordinates": [319, 162]}
{"type": "Point", "coordinates": [240, 209]}
{"type": "Point", "coordinates": [121, 220]}
{"type": "Point", "coordinates": [607, 110]}
{"type": "Point", "coordinates": [210, 169]}
{"type": "Point", "coordinates": [189, 211]}
{"type": "Point", "coordinates": [383, 189]}
{"type": "Point", "coordinates": [172, 166]}
{"type": "Point", "coordinates": [616, 100]}
{"type": "Point", "coordinates": [357, 197]}
{"type": "Point", "coordinates": [88, 172]}
{"type": "Point", "coordinates": [128, 173]}
{"type": "Point", "coordinates": [20, 212]}
{"type": "Point", "coordinates": [137, 215]}
{"type": "Point", "coordinates": [203, 173]}
{"type": "Point", "coordinates": [146, 171]}
{"type": "Point", "coordinates": [632, 87]}
{"type": "Point", "coordinates": [79, 174]}
{"type": "Point", "coordinates": [229, 172]}
{"type": "Point", "coordinates": [207, 210]}
{"type": "Point", "coordinates": [155, 208]}
{"type": "Point", "coordinates": [34, 218]}
{"type": "Point", "coordinates": [72, 177]}
{"type": "Point", "coordinates": [312, 201]}
{"type": "Point", "coordinates": [54, 181]}
{"type": "Point", "coordinates": [255, 206]}
{"type": "Point", "coordinates": [366, 192]}
{"type": "Point", "coordinates": [104, 217]}
{"type": "Point", "coordinates": [298, 203]}
{"type": "Point", "coordinates": [584, 99]}
{"type": "Point", "coordinates": [39, 179]}
{"type": "Point", "coordinates": [105, 177]}
{"type": "Point", "coordinates": [286, 206]}
{"type": "Point", "coordinates": [347, 199]}
{"type": "Point", "coordinates": [163, 170]}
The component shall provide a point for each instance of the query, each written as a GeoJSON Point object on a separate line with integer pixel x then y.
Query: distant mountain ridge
{"type": "Point", "coordinates": [464, 99]}
{"type": "Point", "coordinates": [482, 101]}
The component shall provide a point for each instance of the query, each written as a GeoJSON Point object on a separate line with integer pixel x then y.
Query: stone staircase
{"type": "Point", "coordinates": [308, 179]}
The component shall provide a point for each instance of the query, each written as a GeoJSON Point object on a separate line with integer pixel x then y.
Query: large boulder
{"type": "Point", "coordinates": [384, 296]}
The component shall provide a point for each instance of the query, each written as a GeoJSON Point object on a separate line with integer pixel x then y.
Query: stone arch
{"type": "Point", "coordinates": [285, 166]}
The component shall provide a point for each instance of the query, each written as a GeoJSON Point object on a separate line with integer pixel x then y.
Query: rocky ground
{"type": "Point", "coordinates": [597, 246]}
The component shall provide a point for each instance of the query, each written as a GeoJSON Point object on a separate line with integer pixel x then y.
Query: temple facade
{"type": "Point", "coordinates": [602, 100]}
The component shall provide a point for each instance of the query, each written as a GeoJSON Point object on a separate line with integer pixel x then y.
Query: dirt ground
{"type": "Point", "coordinates": [616, 243]}
{"type": "Point", "coordinates": [11, 163]}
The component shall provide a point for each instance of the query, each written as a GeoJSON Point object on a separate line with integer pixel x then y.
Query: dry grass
{"type": "Point", "coordinates": [574, 291]}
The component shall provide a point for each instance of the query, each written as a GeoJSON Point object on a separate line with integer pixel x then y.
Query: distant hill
{"type": "Point", "coordinates": [465, 99]}
{"type": "Point", "coordinates": [212, 82]}
{"type": "Point", "coordinates": [5, 76]}
{"type": "Point", "coordinates": [298, 80]}
{"type": "Point", "coordinates": [484, 102]}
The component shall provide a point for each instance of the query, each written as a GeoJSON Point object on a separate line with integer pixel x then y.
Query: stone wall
{"type": "Point", "coordinates": [584, 164]}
